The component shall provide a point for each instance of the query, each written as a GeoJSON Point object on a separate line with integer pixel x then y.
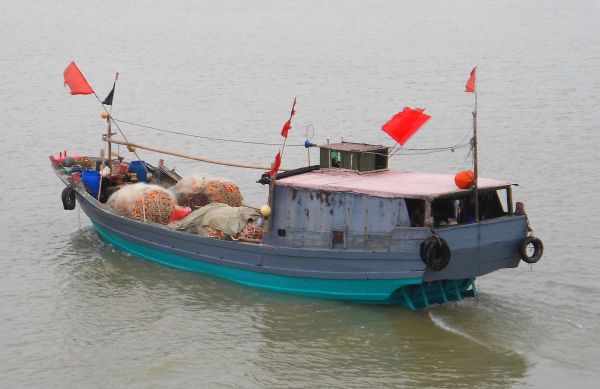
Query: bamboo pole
{"type": "Point", "coordinates": [476, 173]}
{"type": "Point", "coordinates": [188, 156]}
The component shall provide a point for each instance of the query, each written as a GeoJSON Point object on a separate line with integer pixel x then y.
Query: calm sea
{"type": "Point", "coordinates": [76, 313]}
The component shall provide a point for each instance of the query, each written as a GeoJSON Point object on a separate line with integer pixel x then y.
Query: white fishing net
{"type": "Point", "coordinates": [198, 191]}
{"type": "Point", "coordinates": [150, 203]}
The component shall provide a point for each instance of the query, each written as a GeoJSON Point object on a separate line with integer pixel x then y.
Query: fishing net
{"type": "Point", "coordinates": [250, 232]}
{"type": "Point", "coordinates": [150, 203]}
{"type": "Point", "coordinates": [196, 192]}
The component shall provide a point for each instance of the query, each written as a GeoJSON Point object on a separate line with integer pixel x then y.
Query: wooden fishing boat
{"type": "Point", "coordinates": [348, 228]}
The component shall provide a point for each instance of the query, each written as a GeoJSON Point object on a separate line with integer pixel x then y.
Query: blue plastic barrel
{"type": "Point", "coordinates": [139, 168]}
{"type": "Point", "coordinates": [91, 179]}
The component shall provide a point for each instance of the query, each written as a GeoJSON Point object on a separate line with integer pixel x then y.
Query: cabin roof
{"type": "Point", "coordinates": [385, 183]}
{"type": "Point", "coordinates": [352, 147]}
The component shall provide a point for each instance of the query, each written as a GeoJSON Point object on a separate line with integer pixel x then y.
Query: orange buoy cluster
{"type": "Point", "coordinates": [464, 179]}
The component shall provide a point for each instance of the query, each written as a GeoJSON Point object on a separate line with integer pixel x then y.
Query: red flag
{"type": "Point", "coordinates": [275, 165]}
{"type": "Point", "coordinates": [76, 81]}
{"type": "Point", "coordinates": [470, 88]}
{"type": "Point", "coordinates": [404, 124]}
{"type": "Point", "coordinates": [288, 125]}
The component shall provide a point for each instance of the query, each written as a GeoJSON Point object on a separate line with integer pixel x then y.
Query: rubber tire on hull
{"type": "Point", "coordinates": [68, 198]}
{"type": "Point", "coordinates": [538, 249]}
{"type": "Point", "coordinates": [435, 253]}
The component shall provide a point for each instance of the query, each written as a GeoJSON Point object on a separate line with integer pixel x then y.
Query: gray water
{"type": "Point", "coordinates": [77, 313]}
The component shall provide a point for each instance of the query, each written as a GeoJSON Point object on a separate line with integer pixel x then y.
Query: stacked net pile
{"type": "Point", "coordinates": [150, 203]}
{"type": "Point", "coordinates": [196, 192]}
{"type": "Point", "coordinates": [250, 232]}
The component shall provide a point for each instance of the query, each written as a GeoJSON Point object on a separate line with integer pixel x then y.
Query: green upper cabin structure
{"type": "Point", "coordinates": [354, 156]}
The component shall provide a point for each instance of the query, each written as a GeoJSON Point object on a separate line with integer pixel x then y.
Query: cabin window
{"type": "Point", "coordinates": [461, 209]}
{"type": "Point", "coordinates": [381, 161]}
{"type": "Point", "coordinates": [490, 206]}
{"type": "Point", "coordinates": [416, 212]}
{"type": "Point", "coordinates": [336, 159]}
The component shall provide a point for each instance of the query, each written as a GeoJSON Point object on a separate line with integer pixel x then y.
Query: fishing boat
{"type": "Point", "coordinates": [348, 228]}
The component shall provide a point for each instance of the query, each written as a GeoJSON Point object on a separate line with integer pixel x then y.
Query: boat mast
{"type": "Point", "coordinates": [474, 145]}
{"type": "Point", "coordinates": [108, 135]}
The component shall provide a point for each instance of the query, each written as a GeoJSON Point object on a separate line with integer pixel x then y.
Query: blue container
{"type": "Point", "coordinates": [139, 168]}
{"type": "Point", "coordinates": [91, 179]}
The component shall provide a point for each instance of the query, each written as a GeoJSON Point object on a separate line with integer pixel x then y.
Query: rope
{"type": "Point", "coordinates": [436, 150]}
{"type": "Point", "coordinates": [203, 136]}
{"type": "Point", "coordinates": [394, 150]}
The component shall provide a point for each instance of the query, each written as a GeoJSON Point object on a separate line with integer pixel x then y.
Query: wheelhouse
{"type": "Point", "coordinates": [373, 208]}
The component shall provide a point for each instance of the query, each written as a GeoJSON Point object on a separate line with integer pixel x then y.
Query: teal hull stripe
{"type": "Point", "coordinates": [365, 291]}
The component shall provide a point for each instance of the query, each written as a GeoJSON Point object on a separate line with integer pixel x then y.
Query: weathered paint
{"type": "Point", "coordinates": [309, 216]}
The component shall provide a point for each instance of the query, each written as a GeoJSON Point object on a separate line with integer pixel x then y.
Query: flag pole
{"type": "Point", "coordinates": [475, 172]}
{"type": "Point", "coordinates": [109, 119]}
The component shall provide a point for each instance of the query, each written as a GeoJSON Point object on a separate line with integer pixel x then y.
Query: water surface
{"type": "Point", "coordinates": [77, 313]}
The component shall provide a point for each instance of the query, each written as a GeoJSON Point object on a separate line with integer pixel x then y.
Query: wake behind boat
{"type": "Point", "coordinates": [348, 228]}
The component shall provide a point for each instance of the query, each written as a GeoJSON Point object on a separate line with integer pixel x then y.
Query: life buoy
{"type": "Point", "coordinates": [538, 249]}
{"type": "Point", "coordinates": [435, 253]}
{"type": "Point", "coordinates": [68, 198]}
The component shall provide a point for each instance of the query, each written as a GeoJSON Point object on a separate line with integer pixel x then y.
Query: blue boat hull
{"type": "Point", "coordinates": [366, 291]}
{"type": "Point", "coordinates": [408, 292]}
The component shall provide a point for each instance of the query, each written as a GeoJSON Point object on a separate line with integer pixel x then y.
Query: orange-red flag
{"type": "Point", "coordinates": [404, 124]}
{"type": "Point", "coordinates": [288, 125]}
{"type": "Point", "coordinates": [76, 81]}
{"type": "Point", "coordinates": [470, 88]}
{"type": "Point", "coordinates": [275, 165]}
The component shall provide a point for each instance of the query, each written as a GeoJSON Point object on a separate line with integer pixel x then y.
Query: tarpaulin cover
{"type": "Point", "coordinates": [230, 220]}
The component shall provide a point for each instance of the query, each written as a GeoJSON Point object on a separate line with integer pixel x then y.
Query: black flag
{"type": "Point", "coordinates": [108, 100]}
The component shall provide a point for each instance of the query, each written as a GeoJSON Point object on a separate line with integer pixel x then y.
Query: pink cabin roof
{"type": "Point", "coordinates": [384, 183]}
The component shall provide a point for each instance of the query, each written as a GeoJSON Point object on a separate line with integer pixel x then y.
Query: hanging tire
{"type": "Point", "coordinates": [435, 253]}
{"type": "Point", "coordinates": [68, 198]}
{"type": "Point", "coordinates": [531, 243]}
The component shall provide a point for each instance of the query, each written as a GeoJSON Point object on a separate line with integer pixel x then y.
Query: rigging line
{"type": "Point", "coordinates": [393, 150]}
{"type": "Point", "coordinates": [431, 151]}
{"type": "Point", "coordinates": [203, 136]}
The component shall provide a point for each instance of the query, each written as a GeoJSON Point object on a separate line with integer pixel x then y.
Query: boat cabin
{"type": "Point", "coordinates": [339, 207]}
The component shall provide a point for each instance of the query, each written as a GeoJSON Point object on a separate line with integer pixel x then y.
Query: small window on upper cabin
{"type": "Point", "coordinates": [336, 159]}
{"type": "Point", "coordinates": [381, 161]}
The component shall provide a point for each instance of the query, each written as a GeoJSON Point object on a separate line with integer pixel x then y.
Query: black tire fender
{"type": "Point", "coordinates": [435, 253]}
{"type": "Point", "coordinates": [538, 249]}
{"type": "Point", "coordinates": [68, 198]}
